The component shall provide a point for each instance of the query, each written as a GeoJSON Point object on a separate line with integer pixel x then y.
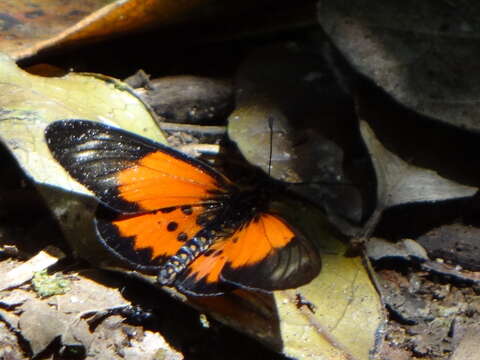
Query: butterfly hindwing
{"type": "Point", "coordinates": [274, 256]}
{"type": "Point", "coordinates": [264, 254]}
{"type": "Point", "coordinates": [148, 240]}
{"type": "Point", "coordinates": [128, 173]}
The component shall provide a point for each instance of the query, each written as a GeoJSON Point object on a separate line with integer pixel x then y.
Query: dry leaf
{"type": "Point", "coordinates": [189, 99]}
{"type": "Point", "coordinates": [26, 270]}
{"type": "Point", "coordinates": [401, 183]}
{"type": "Point", "coordinates": [455, 243]}
{"type": "Point", "coordinates": [406, 249]}
{"type": "Point", "coordinates": [424, 54]}
{"type": "Point", "coordinates": [40, 324]}
{"type": "Point", "coordinates": [274, 101]}
{"type": "Point", "coordinates": [31, 102]}
{"type": "Point", "coordinates": [40, 321]}
{"type": "Point", "coordinates": [452, 272]}
{"type": "Point", "coordinates": [467, 349]}
{"type": "Point", "coordinates": [348, 319]}
{"type": "Point", "coordinates": [31, 26]}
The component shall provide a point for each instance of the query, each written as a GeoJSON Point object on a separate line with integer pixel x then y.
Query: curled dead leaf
{"type": "Point", "coordinates": [401, 183]}
{"type": "Point", "coordinates": [36, 25]}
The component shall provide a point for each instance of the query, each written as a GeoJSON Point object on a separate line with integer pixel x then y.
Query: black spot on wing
{"type": "Point", "coordinates": [172, 226]}
{"type": "Point", "coordinates": [182, 237]}
{"type": "Point", "coordinates": [187, 210]}
{"type": "Point", "coordinates": [209, 252]}
{"type": "Point", "coordinates": [168, 210]}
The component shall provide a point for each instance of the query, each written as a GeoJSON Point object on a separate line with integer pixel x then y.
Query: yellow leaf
{"type": "Point", "coordinates": [29, 103]}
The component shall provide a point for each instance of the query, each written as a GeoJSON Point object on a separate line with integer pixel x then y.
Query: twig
{"type": "Point", "coordinates": [196, 129]}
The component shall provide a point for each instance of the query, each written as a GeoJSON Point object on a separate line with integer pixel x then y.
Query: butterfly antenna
{"type": "Point", "coordinates": [270, 125]}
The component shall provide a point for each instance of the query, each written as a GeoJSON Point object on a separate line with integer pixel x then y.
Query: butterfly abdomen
{"type": "Point", "coordinates": [216, 225]}
{"type": "Point", "coordinates": [184, 257]}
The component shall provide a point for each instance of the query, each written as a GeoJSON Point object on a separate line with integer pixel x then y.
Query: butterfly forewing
{"type": "Point", "coordinates": [129, 173]}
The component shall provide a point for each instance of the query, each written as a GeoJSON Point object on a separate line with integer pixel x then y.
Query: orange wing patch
{"type": "Point", "coordinates": [159, 234]}
{"type": "Point", "coordinates": [160, 180]}
{"type": "Point", "coordinates": [258, 240]}
{"type": "Point", "coordinates": [256, 250]}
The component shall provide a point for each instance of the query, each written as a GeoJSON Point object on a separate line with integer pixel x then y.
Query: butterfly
{"type": "Point", "coordinates": [177, 217]}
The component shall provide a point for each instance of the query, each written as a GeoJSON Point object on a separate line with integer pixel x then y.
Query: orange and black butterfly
{"type": "Point", "coordinates": [179, 218]}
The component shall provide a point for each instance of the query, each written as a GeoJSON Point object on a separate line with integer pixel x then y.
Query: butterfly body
{"type": "Point", "coordinates": [177, 217]}
{"type": "Point", "coordinates": [221, 220]}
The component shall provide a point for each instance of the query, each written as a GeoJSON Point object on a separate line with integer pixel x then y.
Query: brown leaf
{"type": "Point", "coordinates": [406, 249]}
{"type": "Point", "coordinates": [424, 54]}
{"type": "Point", "coordinates": [40, 324]}
{"type": "Point", "coordinates": [30, 26]}
{"type": "Point", "coordinates": [189, 99]}
{"type": "Point", "coordinates": [40, 321]}
{"type": "Point", "coordinates": [455, 243]}
{"type": "Point", "coordinates": [26, 270]}
{"type": "Point", "coordinates": [467, 349]}
{"type": "Point", "coordinates": [272, 102]}
{"type": "Point", "coordinates": [88, 296]}
{"type": "Point", "coordinates": [14, 298]}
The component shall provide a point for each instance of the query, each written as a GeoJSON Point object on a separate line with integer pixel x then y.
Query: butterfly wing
{"type": "Point", "coordinates": [265, 254]}
{"type": "Point", "coordinates": [160, 192]}
{"type": "Point", "coordinates": [147, 240]}
{"type": "Point", "coordinates": [128, 173]}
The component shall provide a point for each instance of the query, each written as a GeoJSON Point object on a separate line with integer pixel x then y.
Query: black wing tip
{"type": "Point", "coordinates": [58, 126]}
{"type": "Point", "coordinates": [260, 276]}
{"type": "Point", "coordinates": [61, 135]}
{"type": "Point", "coordinates": [58, 134]}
